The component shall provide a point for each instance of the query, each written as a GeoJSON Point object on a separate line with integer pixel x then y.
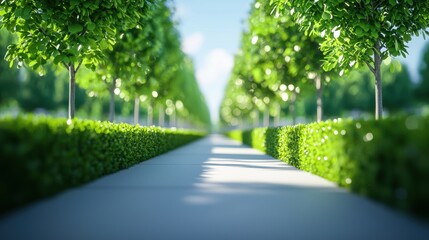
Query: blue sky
{"type": "Point", "coordinates": [211, 33]}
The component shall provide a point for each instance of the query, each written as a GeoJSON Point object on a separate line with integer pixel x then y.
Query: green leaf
{"type": "Point", "coordinates": [41, 47]}
{"type": "Point", "coordinates": [91, 26]}
{"type": "Point", "coordinates": [26, 13]}
{"type": "Point", "coordinates": [73, 50]}
{"type": "Point", "coordinates": [66, 60]}
{"type": "Point", "coordinates": [377, 25]}
{"type": "Point", "coordinates": [326, 15]}
{"type": "Point", "coordinates": [326, 66]}
{"type": "Point", "coordinates": [32, 63]}
{"type": "Point", "coordinates": [359, 32]}
{"type": "Point", "coordinates": [18, 12]}
{"type": "Point", "coordinates": [104, 44]}
{"type": "Point", "coordinates": [74, 3]}
{"type": "Point", "coordinates": [58, 59]}
{"type": "Point", "coordinates": [366, 27]}
{"type": "Point", "coordinates": [407, 37]}
{"type": "Point", "coordinates": [75, 28]}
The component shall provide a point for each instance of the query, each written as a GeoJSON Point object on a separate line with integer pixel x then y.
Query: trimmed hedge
{"type": "Point", "coordinates": [387, 160]}
{"type": "Point", "coordinates": [40, 156]}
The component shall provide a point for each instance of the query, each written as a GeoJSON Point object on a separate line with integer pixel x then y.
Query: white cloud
{"type": "Point", "coordinates": [192, 43]}
{"type": "Point", "coordinates": [218, 64]}
{"type": "Point", "coordinates": [212, 77]}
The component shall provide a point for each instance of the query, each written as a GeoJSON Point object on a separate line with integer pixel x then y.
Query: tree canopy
{"type": "Point", "coordinates": [360, 32]}
{"type": "Point", "coordinates": [70, 32]}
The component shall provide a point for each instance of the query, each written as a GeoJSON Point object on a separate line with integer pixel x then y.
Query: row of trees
{"type": "Point", "coordinates": [288, 54]}
{"type": "Point", "coordinates": [360, 32]}
{"type": "Point", "coordinates": [126, 49]}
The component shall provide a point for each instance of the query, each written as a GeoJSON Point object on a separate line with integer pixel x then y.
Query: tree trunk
{"type": "Point", "coordinates": [256, 120]}
{"type": "Point", "coordinates": [161, 116]}
{"type": "Point", "coordinates": [72, 90]}
{"type": "Point", "coordinates": [136, 110]}
{"type": "Point", "coordinates": [319, 88]}
{"type": "Point", "coordinates": [112, 101]}
{"type": "Point", "coordinates": [173, 119]}
{"type": "Point", "coordinates": [292, 107]}
{"type": "Point", "coordinates": [178, 122]}
{"type": "Point", "coordinates": [378, 83]}
{"type": "Point", "coordinates": [266, 117]}
{"type": "Point", "coordinates": [149, 115]}
{"type": "Point", "coordinates": [277, 117]}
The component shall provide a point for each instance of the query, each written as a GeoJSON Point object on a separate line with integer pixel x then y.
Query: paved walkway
{"type": "Point", "coordinates": [211, 189]}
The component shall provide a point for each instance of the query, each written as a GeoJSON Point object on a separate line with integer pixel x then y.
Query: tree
{"type": "Point", "coordinates": [149, 66]}
{"type": "Point", "coordinates": [145, 48]}
{"type": "Point", "coordinates": [278, 62]}
{"type": "Point", "coordinates": [360, 32]}
{"type": "Point", "coordinates": [190, 94]}
{"type": "Point", "coordinates": [248, 92]}
{"type": "Point", "coordinates": [47, 92]}
{"type": "Point", "coordinates": [70, 32]}
{"type": "Point", "coordinates": [132, 56]}
{"type": "Point", "coordinates": [353, 92]}
{"type": "Point", "coordinates": [126, 62]}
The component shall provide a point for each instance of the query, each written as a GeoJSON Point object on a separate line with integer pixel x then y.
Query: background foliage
{"type": "Point", "coordinates": [285, 44]}
{"type": "Point", "coordinates": [137, 59]}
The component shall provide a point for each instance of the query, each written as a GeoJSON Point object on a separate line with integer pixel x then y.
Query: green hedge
{"type": "Point", "coordinates": [386, 160]}
{"type": "Point", "coordinates": [40, 156]}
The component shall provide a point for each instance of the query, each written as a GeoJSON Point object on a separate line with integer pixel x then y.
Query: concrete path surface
{"type": "Point", "coordinates": [214, 188]}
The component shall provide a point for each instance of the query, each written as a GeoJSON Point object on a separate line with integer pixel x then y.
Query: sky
{"type": "Point", "coordinates": [211, 32]}
{"type": "Point", "coordinates": [211, 35]}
